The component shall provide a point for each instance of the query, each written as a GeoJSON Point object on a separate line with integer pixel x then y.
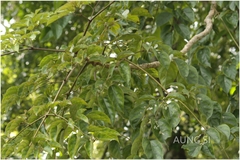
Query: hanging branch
{"type": "Point", "coordinates": [67, 77]}
{"type": "Point", "coordinates": [209, 24]}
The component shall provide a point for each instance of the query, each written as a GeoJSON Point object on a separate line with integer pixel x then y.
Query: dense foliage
{"type": "Point", "coordinates": [110, 80]}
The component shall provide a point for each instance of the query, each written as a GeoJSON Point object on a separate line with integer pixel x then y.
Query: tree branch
{"type": "Point", "coordinates": [67, 77]}
{"type": "Point", "coordinates": [208, 21]}
{"type": "Point", "coordinates": [34, 48]}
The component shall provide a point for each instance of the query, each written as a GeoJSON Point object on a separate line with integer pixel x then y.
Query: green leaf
{"type": "Point", "coordinates": [205, 105]}
{"type": "Point", "coordinates": [192, 77]}
{"type": "Point", "coordinates": [229, 68]}
{"type": "Point", "coordinates": [98, 115]}
{"type": "Point", "coordinates": [203, 56]}
{"type": "Point", "coordinates": [208, 150]}
{"type": "Point", "coordinates": [147, 147]}
{"type": "Point", "coordinates": [215, 119]}
{"type": "Point", "coordinates": [163, 58]}
{"type": "Point", "coordinates": [231, 19]}
{"type": "Point", "coordinates": [167, 76]}
{"type": "Point", "coordinates": [140, 12]}
{"type": "Point", "coordinates": [136, 145]}
{"type": "Point", "coordinates": [47, 59]}
{"type": "Point", "coordinates": [176, 95]}
{"type": "Point", "coordinates": [57, 30]}
{"type": "Point", "coordinates": [206, 75]}
{"type": "Point", "coordinates": [224, 129]}
{"type": "Point", "coordinates": [9, 98]}
{"type": "Point", "coordinates": [114, 29]}
{"type": "Point", "coordinates": [225, 83]}
{"type": "Point", "coordinates": [163, 18]}
{"type": "Point", "coordinates": [24, 144]}
{"type": "Point", "coordinates": [136, 114]}
{"type": "Point", "coordinates": [165, 128]}
{"type": "Point", "coordinates": [77, 101]}
{"type": "Point", "coordinates": [7, 150]}
{"type": "Point", "coordinates": [81, 116]}
{"type": "Point", "coordinates": [124, 54]}
{"type": "Point", "coordinates": [125, 71]}
{"type": "Point", "coordinates": [172, 112]}
{"type": "Point", "coordinates": [103, 133]}
{"type": "Point", "coordinates": [189, 13]}
{"type": "Point", "coordinates": [214, 134]}
{"type": "Point", "coordinates": [183, 30]}
{"type": "Point", "coordinates": [116, 96]}
{"type": "Point", "coordinates": [57, 16]}
{"type": "Point", "coordinates": [157, 149]}
{"type": "Point", "coordinates": [114, 149]}
{"type": "Point", "coordinates": [182, 67]}
{"type": "Point", "coordinates": [133, 18]}
{"type": "Point", "coordinates": [229, 118]}
{"type": "Point", "coordinates": [71, 145]}
{"type": "Point", "coordinates": [193, 149]}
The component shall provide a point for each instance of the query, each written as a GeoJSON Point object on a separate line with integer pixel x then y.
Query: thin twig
{"type": "Point", "coordinates": [79, 73]}
{"type": "Point", "coordinates": [137, 66]}
{"type": "Point", "coordinates": [34, 48]}
{"type": "Point", "coordinates": [208, 21]}
{"type": "Point", "coordinates": [230, 34]}
{"type": "Point", "coordinates": [92, 18]}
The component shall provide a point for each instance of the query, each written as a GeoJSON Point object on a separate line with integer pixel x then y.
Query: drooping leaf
{"type": "Point", "coordinates": [147, 147]}
{"type": "Point", "coordinates": [215, 119]}
{"type": "Point", "coordinates": [157, 149]}
{"type": "Point", "coordinates": [167, 76]}
{"type": "Point", "coordinates": [225, 83]}
{"type": "Point", "coordinates": [57, 30]}
{"type": "Point", "coordinates": [205, 105]}
{"type": "Point", "coordinates": [114, 149]}
{"type": "Point", "coordinates": [183, 30]}
{"type": "Point", "coordinates": [165, 129]}
{"type": "Point", "coordinates": [203, 56]}
{"type": "Point", "coordinates": [188, 14]}
{"type": "Point", "coordinates": [125, 71]}
{"type": "Point", "coordinates": [10, 98]}
{"type": "Point", "coordinates": [206, 75]}
{"type": "Point", "coordinates": [163, 58]}
{"type": "Point", "coordinates": [182, 67]}
{"type": "Point", "coordinates": [116, 96]}
{"type": "Point", "coordinates": [172, 112]}
{"type": "Point", "coordinates": [192, 77]}
{"type": "Point", "coordinates": [229, 68]}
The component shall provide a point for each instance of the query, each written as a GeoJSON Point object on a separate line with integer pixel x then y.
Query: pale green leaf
{"type": "Point", "coordinates": [140, 12]}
